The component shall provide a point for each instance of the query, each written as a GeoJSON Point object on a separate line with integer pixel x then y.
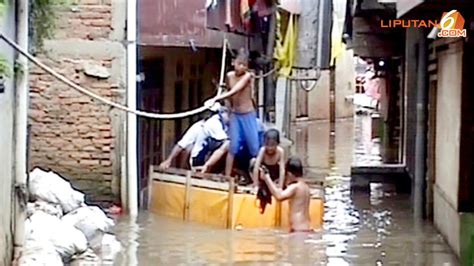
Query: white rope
{"type": "Point", "coordinates": [109, 102]}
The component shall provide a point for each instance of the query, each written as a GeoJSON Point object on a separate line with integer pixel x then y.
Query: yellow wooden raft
{"type": "Point", "coordinates": [216, 200]}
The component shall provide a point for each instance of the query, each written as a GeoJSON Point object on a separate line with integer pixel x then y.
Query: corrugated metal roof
{"type": "Point", "coordinates": [177, 23]}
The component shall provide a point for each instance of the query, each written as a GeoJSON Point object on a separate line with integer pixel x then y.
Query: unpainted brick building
{"type": "Point", "coordinates": [72, 134]}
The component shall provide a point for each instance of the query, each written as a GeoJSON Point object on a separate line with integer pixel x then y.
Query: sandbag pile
{"type": "Point", "coordinates": [60, 226]}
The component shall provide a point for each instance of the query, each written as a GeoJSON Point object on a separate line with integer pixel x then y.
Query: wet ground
{"type": "Point", "coordinates": [359, 228]}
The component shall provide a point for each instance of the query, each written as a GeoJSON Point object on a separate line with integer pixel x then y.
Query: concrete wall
{"type": "Point", "coordinates": [448, 121]}
{"type": "Point", "coordinates": [345, 84]}
{"type": "Point", "coordinates": [410, 91]}
{"type": "Point", "coordinates": [71, 133]}
{"type": "Point", "coordinates": [7, 27]}
{"type": "Point", "coordinates": [448, 128]}
{"type": "Point", "coordinates": [317, 100]}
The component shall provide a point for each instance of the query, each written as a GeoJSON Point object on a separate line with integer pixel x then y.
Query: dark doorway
{"type": "Point", "coordinates": [149, 98]}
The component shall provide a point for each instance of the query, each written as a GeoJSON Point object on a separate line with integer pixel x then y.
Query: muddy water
{"type": "Point", "coordinates": [359, 229]}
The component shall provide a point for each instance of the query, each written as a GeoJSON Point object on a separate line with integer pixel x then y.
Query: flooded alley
{"type": "Point", "coordinates": [203, 132]}
{"type": "Point", "coordinates": [360, 228]}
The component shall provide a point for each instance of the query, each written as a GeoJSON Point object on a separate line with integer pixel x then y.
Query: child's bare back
{"type": "Point", "coordinates": [299, 207]}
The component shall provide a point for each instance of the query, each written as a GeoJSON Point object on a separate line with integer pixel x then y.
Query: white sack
{"type": "Point", "coordinates": [52, 188]}
{"type": "Point", "coordinates": [92, 222]}
{"type": "Point", "coordinates": [39, 253]}
{"type": "Point", "coordinates": [40, 205]}
{"type": "Point", "coordinates": [66, 240]}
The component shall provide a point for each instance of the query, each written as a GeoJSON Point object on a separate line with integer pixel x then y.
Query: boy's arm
{"type": "Point", "coordinates": [278, 193]}
{"type": "Point", "coordinates": [241, 84]}
{"type": "Point", "coordinates": [176, 150]}
{"type": "Point", "coordinates": [282, 167]}
{"type": "Point", "coordinates": [216, 156]}
{"type": "Point", "coordinates": [256, 168]}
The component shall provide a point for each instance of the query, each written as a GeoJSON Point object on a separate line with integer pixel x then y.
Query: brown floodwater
{"type": "Point", "coordinates": [375, 228]}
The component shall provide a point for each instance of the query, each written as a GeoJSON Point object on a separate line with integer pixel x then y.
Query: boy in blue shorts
{"type": "Point", "coordinates": [243, 126]}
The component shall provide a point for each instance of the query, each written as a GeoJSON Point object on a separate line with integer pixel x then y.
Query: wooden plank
{"type": "Point", "coordinates": [150, 183]}
{"type": "Point", "coordinates": [178, 176]}
{"type": "Point", "coordinates": [182, 172]}
{"type": "Point", "coordinates": [230, 205]}
{"type": "Point", "coordinates": [187, 196]}
{"type": "Point", "coordinates": [219, 177]}
{"type": "Point", "coordinates": [194, 182]}
{"type": "Point", "coordinates": [278, 214]}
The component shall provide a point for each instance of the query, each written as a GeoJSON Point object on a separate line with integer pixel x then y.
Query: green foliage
{"type": "Point", "coordinates": [43, 19]}
{"type": "Point", "coordinates": [18, 69]}
{"type": "Point", "coordinates": [3, 5]}
{"type": "Point", "coordinates": [5, 67]}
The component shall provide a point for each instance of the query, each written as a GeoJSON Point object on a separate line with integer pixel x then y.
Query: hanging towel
{"type": "Point", "coordinates": [211, 4]}
{"type": "Point", "coordinates": [286, 48]}
{"type": "Point", "coordinates": [246, 7]}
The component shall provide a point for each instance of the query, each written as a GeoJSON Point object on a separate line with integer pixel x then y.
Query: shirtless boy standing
{"type": "Point", "coordinates": [297, 192]}
{"type": "Point", "coordinates": [243, 126]}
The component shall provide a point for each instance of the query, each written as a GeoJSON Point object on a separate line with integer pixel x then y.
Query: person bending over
{"type": "Point", "coordinates": [186, 143]}
{"type": "Point", "coordinates": [212, 141]}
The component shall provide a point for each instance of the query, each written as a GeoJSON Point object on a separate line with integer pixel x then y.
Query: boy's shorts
{"type": "Point", "coordinates": [244, 132]}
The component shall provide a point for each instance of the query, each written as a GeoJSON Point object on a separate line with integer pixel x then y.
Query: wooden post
{"type": "Point", "coordinates": [187, 196]}
{"type": "Point", "coordinates": [278, 208]}
{"type": "Point", "coordinates": [230, 204]}
{"type": "Point", "coordinates": [151, 171]}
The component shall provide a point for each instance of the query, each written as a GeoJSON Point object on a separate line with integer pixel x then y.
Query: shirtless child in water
{"type": "Point", "coordinates": [243, 125]}
{"type": "Point", "coordinates": [272, 156]}
{"type": "Point", "coordinates": [297, 192]}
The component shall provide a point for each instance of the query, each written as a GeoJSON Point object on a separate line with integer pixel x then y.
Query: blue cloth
{"type": "Point", "coordinates": [244, 132]}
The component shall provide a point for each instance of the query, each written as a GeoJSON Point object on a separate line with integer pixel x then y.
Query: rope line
{"type": "Point", "coordinates": [80, 89]}
{"type": "Point", "coordinates": [107, 101]}
{"type": "Point", "coordinates": [264, 75]}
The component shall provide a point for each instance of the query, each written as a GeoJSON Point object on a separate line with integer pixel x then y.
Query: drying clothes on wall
{"type": "Point", "coordinates": [246, 9]}
{"type": "Point", "coordinates": [263, 8]}
{"type": "Point", "coordinates": [373, 85]}
{"type": "Point", "coordinates": [211, 4]}
{"type": "Point", "coordinates": [224, 15]}
{"type": "Point", "coordinates": [338, 16]}
{"type": "Point", "coordinates": [241, 16]}
{"type": "Point", "coordinates": [285, 48]}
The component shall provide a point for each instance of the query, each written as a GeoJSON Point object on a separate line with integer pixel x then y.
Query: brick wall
{"type": "Point", "coordinates": [71, 133]}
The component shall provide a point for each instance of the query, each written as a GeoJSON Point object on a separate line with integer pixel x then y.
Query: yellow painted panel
{"type": "Point", "coordinates": [168, 199]}
{"type": "Point", "coordinates": [208, 206]}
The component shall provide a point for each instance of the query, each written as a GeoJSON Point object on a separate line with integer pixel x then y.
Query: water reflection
{"type": "Point", "coordinates": [359, 229]}
{"type": "Point", "coordinates": [366, 147]}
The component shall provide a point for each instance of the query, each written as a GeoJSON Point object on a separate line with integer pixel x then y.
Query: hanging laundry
{"type": "Point", "coordinates": [211, 4]}
{"type": "Point", "coordinates": [286, 48]}
{"type": "Point", "coordinates": [246, 7]}
{"type": "Point", "coordinates": [224, 15]}
{"type": "Point", "coordinates": [263, 8]}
